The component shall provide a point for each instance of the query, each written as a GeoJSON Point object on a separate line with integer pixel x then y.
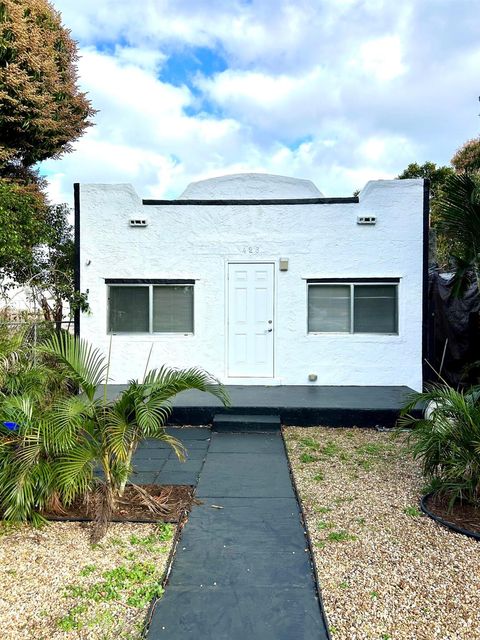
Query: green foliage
{"type": "Point", "coordinates": [446, 440]}
{"type": "Point", "coordinates": [306, 458]}
{"type": "Point", "coordinates": [429, 171]}
{"type": "Point", "coordinates": [52, 458]}
{"type": "Point", "coordinates": [37, 249]}
{"type": "Point", "coordinates": [331, 449]}
{"type": "Point", "coordinates": [42, 112]}
{"type": "Point", "coordinates": [438, 177]}
{"type": "Point", "coordinates": [459, 220]}
{"type": "Point", "coordinates": [164, 532]}
{"type": "Point", "coordinates": [467, 158]}
{"type": "Point", "coordinates": [323, 509]}
{"type": "Point", "coordinates": [340, 536]}
{"type": "Point", "coordinates": [134, 584]}
{"type": "Point", "coordinates": [413, 512]}
{"type": "Point", "coordinates": [24, 370]}
{"type": "Point", "coordinates": [27, 466]}
{"type": "Point", "coordinates": [51, 277]}
{"type": "Point", "coordinates": [310, 443]}
{"type": "Point", "coordinates": [22, 227]}
{"type": "Point", "coordinates": [364, 464]}
{"type": "Point", "coordinates": [98, 432]}
{"type": "Point", "coordinates": [41, 109]}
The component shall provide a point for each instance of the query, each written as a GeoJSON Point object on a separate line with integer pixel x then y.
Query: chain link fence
{"type": "Point", "coordinates": [33, 331]}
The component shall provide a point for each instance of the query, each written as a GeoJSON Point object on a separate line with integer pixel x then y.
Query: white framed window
{"type": "Point", "coordinates": [155, 306]}
{"type": "Point", "coordinates": [366, 306]}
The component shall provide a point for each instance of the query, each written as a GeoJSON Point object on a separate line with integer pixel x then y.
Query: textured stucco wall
{"type": "Point", "coordinates": [250, 186]}
{"type": "Point", "coordinates": [321, 240]}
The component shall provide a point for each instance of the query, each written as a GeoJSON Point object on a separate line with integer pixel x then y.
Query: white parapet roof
{"type": "Point", "coordinates": [250, 186]}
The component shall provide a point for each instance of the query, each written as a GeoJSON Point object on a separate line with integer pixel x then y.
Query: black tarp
{"type": "Point", "coordinates": [453, 331]}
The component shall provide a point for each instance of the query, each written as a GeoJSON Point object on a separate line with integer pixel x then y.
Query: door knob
{"type": "Point", "coordinates": [269, 330]}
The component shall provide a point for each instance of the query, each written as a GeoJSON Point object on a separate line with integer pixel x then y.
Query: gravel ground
{"type": "Point", "coordinates": [386, 571]}
{"type": "Point", "coordinates": [55, 585]}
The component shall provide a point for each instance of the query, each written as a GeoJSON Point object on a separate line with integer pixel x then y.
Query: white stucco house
{"type": "Point", "coordinates": [258, 279]}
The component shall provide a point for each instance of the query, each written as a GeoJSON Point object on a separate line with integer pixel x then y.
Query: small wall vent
{"type": "Point", "coordinates": [138, 222]}
{"type": "Point", "coordinates": [366, 220]}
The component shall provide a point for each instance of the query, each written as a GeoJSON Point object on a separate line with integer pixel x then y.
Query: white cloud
{"type": "Point", "coordinates": [147, 59]}
{"type": "Point", "coordinates": [382, 58]}
{"type": "Point", "coordinates": [336, 91]}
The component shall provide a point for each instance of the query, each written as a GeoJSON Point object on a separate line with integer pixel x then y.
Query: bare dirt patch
{"type": "Point", "coordinates": [386, 571]}
{"type": "Point", "coordinates": [172, 502]}
{"type": "Point", "coordinates": [462, 514]}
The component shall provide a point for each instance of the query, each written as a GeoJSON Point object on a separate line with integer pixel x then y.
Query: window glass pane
{"type": "Point", "coordinates": [375, 309]}
{"type": "Point", "coordinates": [329, 308]}
{"type": "Point", "coordinates": [128, 309]}
{"type": "Point", "coordinates": [173, 309]}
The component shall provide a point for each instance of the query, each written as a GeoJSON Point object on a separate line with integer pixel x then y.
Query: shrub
{"type": "Point", "coordinates": [447, 440]}
{"type": "Point", "coordinates": [25, 370]}
{"type": "Point", "coordinates": [53, 458]}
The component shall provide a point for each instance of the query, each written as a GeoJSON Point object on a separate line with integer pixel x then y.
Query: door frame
{"type": "Point", "coordinates": [261, 380]}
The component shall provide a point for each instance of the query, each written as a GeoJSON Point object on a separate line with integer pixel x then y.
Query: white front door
{"type": "Point", "coordinates": [250, 320]}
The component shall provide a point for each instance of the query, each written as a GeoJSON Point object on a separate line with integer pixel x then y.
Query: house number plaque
{"type": "Point", "coordinates": [250, 250]}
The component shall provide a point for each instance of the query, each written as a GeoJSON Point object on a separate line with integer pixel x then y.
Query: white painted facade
{"type": "Point", "coordinates": [207, 243]}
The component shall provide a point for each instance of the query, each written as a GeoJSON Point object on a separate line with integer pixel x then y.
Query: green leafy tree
{"type": "Point", "coordinates": [467, 158]}
{"type": "Point", "coordinates": [41, 108]}
{"type": "Point", "coordinates": [42, 112]}
{"type": "Point", "coordinates": [37, 249]}
{"type": "Point", "coordinates": [22, 227]}
{"type": "Point", "coordinates": [52, 275]}
{"type": "Point", "coordinates": [438, 176]}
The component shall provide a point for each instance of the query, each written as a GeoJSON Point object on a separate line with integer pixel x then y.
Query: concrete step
{"type": "Point", "coordinates": [245, 422]}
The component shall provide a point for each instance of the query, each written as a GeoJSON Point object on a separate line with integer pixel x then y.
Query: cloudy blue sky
{"type": "Point", "coordinates": [338, 91]}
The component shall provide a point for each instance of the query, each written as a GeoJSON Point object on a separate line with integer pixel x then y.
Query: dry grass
{"type": "Point", "coordinates": [55, 585]}
{"type": "Point", "coordinates": [386, 572]}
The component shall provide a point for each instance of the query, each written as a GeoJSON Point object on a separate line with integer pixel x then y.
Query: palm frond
{"type": "Point", "coordinates": [84, 363]}
{"type": "Point", "coordinates": [120, 432]}
{"type": "Point", "coordinates": [66, 421]}
{"type": "Point", "coordinates": [75, 471]}
{"type": "Point", "coordinates": [167, 382]}
{"type": "Point", "coordinates": [177, 445]}
{"type": "Point", "coordinates": [447, 440]}
{"type": "Point", "coordinates": [152, 414]}
{"type": "Point", "coordinates": [458, 219]}
{"type": "Point", "coordinates": [19, 409]}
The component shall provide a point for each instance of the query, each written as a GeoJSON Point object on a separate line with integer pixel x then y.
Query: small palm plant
{"type": "Point", "coordinates": [447, 440]}
{"type": "Point", "coordinates": [86, 433]}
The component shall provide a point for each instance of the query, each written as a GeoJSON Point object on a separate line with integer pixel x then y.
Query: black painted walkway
{"type": "Point", "coordinates": [242, 570]}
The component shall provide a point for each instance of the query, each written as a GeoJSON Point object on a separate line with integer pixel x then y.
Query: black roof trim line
{"type": "Point", "coordinates": [288, 201]}
{"type": "Point", "coordinates": [352, 280]}
{"type": "Point", "coordinates": [172, 281]}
